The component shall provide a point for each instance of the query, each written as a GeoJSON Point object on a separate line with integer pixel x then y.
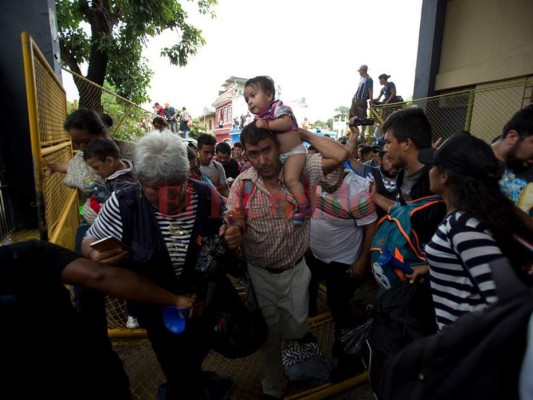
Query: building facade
{"type": "Point", "coordinates": [229, 105]}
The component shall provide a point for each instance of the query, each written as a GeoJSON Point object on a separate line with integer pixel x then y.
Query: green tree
{"type": "Point", "coordinates": [344, 111]}
{"type": "Point", "coordinates": [118, 31]}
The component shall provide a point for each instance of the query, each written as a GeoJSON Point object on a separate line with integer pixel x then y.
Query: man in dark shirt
{"type": "Point", "coordinates": [41, 328]}
{"type": "Point", "coordinates": [231, 166]}
{"type": "Point", "coordinates": [171, 116]}
{"type": "Point", "coordinates": [515, 150]}
{"type": "Point", "coordinates": [406, 133]}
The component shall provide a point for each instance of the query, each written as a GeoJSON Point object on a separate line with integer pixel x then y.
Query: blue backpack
{"type": "Point", "coordinates": [395, 237]}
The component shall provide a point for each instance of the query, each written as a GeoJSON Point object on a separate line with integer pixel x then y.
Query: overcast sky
{"type": "Point", "coordinates": [311, 49]}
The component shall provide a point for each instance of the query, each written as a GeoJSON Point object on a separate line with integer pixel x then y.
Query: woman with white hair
{"type": "Point", "coordinates": [163, 224]}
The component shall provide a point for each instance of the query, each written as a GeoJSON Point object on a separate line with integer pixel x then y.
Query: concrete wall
{"type": "Point", "coordinates": [485, 41]}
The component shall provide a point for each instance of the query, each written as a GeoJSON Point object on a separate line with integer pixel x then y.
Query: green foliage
{"type": "Point", "coordinates": [118, 31]}
{"type": "Point", "coordinates": [344, 111]}
{"type": "Point", "coordinates": [126, 117]}
{"type": "Point", "coordinates": [320, 124]}
{"type": "Point", "coordinates": [197, 128]}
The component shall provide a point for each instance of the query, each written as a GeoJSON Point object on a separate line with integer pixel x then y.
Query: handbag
{"type": "Point", "coordinates": [238, 325]}
{"type": "Point", "coordinates": [239, 328]}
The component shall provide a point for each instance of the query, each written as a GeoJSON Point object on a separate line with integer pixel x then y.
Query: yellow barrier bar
{"type": "Point", "coordinates": [329, 389]}
{"type": "Point", "coordinates": [141, 333]}
{"type": "Point", "coordinates": [126, 113]}
{"type": "Point", "coordinates": [127, 333]}
{"type": "Point", "coordinates": [376, 115]}
{"type": "Point", "coordinates": [320, 318]}
{"type": "Point", "coordinates": [54, 234]}
{"type": "Point", "coordinates": [28, 52]}
{"type": "Point", "coordinates": [469, 109]}
{"type": "Point", "coordinates": [52, 149]}
{"type": "Point", "coordinates": [49, 143]}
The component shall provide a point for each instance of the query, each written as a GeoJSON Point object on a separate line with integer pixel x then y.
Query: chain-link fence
{"type": "Point", "coordinates": [483, 112]}
{"type": "Point", "coordinates": [129, 119]}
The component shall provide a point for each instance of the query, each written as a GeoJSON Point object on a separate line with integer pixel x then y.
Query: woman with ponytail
{"type": "Point", "coordinates": [481, 225]}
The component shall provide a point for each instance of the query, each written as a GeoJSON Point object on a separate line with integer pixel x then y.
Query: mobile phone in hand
{"type": "Point", "coordinates": [108, 243]}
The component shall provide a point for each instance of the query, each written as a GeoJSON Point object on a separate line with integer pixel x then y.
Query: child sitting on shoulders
{"type": "Point", "coordinates": [272, 115]}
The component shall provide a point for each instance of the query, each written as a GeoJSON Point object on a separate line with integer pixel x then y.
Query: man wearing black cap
{"type": "Point", "coordinates": [481, 225]}
{"type": "Point", "coordinates": [362, 95]}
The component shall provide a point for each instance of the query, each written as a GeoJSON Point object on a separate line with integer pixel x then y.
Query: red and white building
{"type": "Point", "coordinates": [229, 104]}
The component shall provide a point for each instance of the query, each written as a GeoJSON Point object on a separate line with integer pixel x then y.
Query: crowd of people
{"type": "Point", "coordinates": [363, 96]}
{"type": "Point", "coordinates": [297, 215]}
{"type": "Point", "coordinates": [169, 118]}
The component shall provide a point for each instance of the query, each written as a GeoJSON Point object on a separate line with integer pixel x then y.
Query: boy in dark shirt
{"type": "Point", "coordinates": [103, 156]}
{"type": "Point", "coordinates": [231, 165]}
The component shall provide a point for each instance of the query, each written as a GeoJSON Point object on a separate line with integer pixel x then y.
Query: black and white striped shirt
{"type": "Point", "coordinates": [458, 255]}
{"type": "Point", "coordinates": [176, 231]}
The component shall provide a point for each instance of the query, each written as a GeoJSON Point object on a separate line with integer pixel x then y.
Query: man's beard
{"type": "Point", "coordinates": [388, 173]}
{"type": "Point", "coordinates": [512, 162]}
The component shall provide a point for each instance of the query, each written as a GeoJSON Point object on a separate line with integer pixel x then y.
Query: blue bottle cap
{"type": "Point", "coordinates": [174, 319]}
{"type": "Point", "coordinates": [385, 257]}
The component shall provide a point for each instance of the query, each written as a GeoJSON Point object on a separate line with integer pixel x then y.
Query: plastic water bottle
{"type": "Point", "coordinates": [387, 259]}
{"type": "Point", "coordinates": [175, 319]}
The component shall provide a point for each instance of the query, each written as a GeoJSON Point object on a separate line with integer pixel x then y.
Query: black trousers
{"type": "Point", "coordinates": [180, 355]}
{"type": "Point", "coordinates": [340, 287]}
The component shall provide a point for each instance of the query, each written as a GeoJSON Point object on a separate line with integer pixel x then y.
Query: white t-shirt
{"type": "Point", "coordinates": [338, 239]}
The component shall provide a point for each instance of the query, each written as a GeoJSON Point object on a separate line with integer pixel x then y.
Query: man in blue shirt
{"type": "Point", "coordinates": [362, 95]}
{"type": "Point", "coordinates": [171, 116]}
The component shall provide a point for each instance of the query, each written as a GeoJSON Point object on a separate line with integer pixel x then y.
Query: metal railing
{"type": "Point", "coordinates": [483, 112]}
{"type": "Point", "coordinates": [47, 109]}
{"type": "Point", "coordinates": [129, 119]}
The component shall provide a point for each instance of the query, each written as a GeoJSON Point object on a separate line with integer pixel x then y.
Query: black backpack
{"type": "Point", "coordinates": [479, 356]}
{"type": "Point", "coordinates": [401, 315]}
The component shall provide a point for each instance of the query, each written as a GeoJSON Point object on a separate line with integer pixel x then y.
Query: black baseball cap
{"type": "Point", "coordinates": [463, 154]}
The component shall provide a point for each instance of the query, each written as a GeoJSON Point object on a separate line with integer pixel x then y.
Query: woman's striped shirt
{"type": "Point", "coordinates": [459, 255]}
{"type": "Point", "coordinates": [176, 230]}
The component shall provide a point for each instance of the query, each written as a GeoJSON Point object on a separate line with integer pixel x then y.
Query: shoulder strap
{"type": "Point", "coordinates": [348, 164]}
{"type": "Point", "coordinates": [247, 188]}
{"type": "Point", "coordinates": [508, 285]}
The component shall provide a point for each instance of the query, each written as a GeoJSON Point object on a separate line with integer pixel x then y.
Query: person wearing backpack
{"type": "Point", "coordinates": [402, 312]}
{"type": "Point", "coordinates": [479, 261]}
{"type": "Point", "coordinates": [481, 225]}
{"type": "Point", "coordinates": [185, 122]}
{"type": "Point", "coordinates": [407, 132]}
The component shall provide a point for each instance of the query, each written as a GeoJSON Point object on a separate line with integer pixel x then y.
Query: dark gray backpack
{"type": "Point", "coordinates": [479, 356]}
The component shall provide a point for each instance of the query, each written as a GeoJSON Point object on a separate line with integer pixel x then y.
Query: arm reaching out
{"type": "Point", "coordinates": [333, 153]}
{"type": "Point", "coordinates": [120, 283]}
{"type": "Point", "coordinates": [281, 124]}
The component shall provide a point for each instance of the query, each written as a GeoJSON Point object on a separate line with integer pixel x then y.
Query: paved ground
{"type": "Point", "coordinates": [145, 374]}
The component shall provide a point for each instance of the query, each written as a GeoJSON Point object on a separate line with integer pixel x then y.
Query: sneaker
{"type": "Point", "coordinates": [132, 322]}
